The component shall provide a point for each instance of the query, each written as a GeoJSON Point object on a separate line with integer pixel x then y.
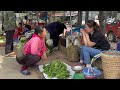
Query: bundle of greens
{"type": "Point", "coordinates": [57, 69]}
{"type": "Point", "coordinates": [2, 39]}
{"type": "Point", "coordinates": [21, 42]}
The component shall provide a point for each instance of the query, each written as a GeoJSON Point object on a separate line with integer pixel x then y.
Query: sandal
{"type": "Point", "coordinates": [9, 55]}
{"type": "Point", "coordinates": [35, 66]}
{"type": "Point", "coordinates": [12, 53]}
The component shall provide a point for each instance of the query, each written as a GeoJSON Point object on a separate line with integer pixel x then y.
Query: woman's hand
{"type": "Point", "coordinates": [83, 31]}
{"type": "Point", "coordinates": [75, 33]}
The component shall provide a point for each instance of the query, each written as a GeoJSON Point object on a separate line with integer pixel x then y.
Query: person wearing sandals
{"type": "Point", "coordinates": [94, 42]}
{"type": "Point", "coordinates": [9, 24]}
{"type": "Point", "coordinates": [33, 50]}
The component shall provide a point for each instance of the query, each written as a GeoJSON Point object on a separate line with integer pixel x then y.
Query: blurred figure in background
{"type": "Point", "coordinates": [9, 24]}
{"type": "Point", "coordinates": [18, 31]}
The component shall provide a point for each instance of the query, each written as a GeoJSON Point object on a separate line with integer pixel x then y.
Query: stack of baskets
{"type": "Point", "coordinates": [111, 64]}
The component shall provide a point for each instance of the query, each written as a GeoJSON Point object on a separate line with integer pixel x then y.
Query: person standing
{"type": "Point", "coordinates": [9, 24]}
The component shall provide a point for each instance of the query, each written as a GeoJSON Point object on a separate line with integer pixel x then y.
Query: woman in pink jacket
{"type": "Point", "coordinates": [34, 50]}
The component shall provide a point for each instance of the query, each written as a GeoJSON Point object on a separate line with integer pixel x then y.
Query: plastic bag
{"type": "Point", "coordinates": [92, 72]}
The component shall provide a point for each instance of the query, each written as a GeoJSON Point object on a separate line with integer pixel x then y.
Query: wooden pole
{"type": "Point", "coordinates": [71, 27]}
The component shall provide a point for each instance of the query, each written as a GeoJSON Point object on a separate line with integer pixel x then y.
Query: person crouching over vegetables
{"type": "Point", "coordinates": [34, 49]}
{"type": "Point", "coordinates": [94, 42]}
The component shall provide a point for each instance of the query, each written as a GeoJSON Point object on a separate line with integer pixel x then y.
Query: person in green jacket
{"type": "Point", "coordinates": [9, 24]}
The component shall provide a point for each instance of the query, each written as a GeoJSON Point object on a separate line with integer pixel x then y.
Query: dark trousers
{"type": "Point", "coordinates": [55, 39]}
{"type": "Point", "coordinates": [9, 41]}
{"type": "Point", "coordinates": [118, 46]}
{"type": "Point", "coordinates": [29, 60]}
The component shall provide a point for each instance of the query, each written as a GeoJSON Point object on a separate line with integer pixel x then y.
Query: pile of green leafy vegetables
{"type": "Point", "coordinates": [21, 42]}
{"type": "Point", "coordinates": [2, 39]}
{"type": "Point", "coordinates": [56, 69]}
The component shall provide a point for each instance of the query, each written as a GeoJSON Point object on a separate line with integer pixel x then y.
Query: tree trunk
{"type": "Point", "coordinates": [101, 19]}
{"type": "Point", "coordinates": [104, 24]}
{"type": "Point", "coordinates": [64, 17]}
{"type": "Point", "coordinates": [54, 16]}
{"type": "Point", "coordinates": [46, 17]}
{"type": "Point", "coordinates": [79, 18]}
{"type": "Point", "coordinates": [86, 16]}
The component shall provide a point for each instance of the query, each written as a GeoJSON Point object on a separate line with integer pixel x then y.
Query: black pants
{"type": "Point", "coordinates": [55, 39]}
{"type": "Point", "coordinates": [9, 41]}
{"type": "Point", "coordinates": [29, 60]}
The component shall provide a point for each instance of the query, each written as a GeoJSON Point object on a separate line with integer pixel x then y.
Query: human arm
{"type": "Point", "coordinates": [89, 42]}
{"type": "Point", "coordinates": [95, 40]}
{"type": "Point", "coordinates": [44, 49]}
{"type": "Point", "coordinates": [83, 38]}
{"type": "Point", "coordinates": [44, 56]}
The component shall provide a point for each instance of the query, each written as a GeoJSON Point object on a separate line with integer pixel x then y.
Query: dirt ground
{"type": "Point", "coordinates": [10, 69]}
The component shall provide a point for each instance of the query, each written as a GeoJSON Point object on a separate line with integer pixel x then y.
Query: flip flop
{"type": "Point", "coordinates": [12, 53]}
{"type": "Point", "coordinates": [9, 55]}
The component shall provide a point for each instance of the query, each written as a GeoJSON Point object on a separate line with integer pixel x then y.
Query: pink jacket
{"type": "Point", "coordinates": [35, 46]}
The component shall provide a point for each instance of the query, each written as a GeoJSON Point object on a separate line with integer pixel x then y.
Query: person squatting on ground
{"type": "Point", "coordinates": [34, 49]}
{"type": "Point", "coordinates": [9, 24]}
{"type": "Point", "coordinates": [94, 43]}
{"type": "Point", "coordinates": [55, 29]}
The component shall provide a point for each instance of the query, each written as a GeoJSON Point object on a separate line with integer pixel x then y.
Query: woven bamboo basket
{"type": "Point", "coordinates": [111, 64]}
{"type": "Point", "coordinates": [73, 53]}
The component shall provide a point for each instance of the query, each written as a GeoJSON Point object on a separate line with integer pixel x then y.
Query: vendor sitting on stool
{"type": "Point", "coordinates": [94, 42]}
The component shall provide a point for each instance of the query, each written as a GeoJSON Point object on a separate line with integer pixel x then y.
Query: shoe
{"type": "Point", "coordinates": [55, 48]}
{"type": "Point", "coordinates": [35, 66]}
{"type": "Point", "coordinates": [25, 72]}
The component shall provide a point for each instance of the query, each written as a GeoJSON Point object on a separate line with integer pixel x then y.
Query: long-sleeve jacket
{"type": "Point", "coordinates": [35, 46]}
{"type": "Point", "coordinates": [9, 20]}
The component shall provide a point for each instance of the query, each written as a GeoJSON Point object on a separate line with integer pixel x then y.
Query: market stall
{"type": "Point", "coordinates": [69, 43]}
{"type": "Point", "coordinates": [58, 69]}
